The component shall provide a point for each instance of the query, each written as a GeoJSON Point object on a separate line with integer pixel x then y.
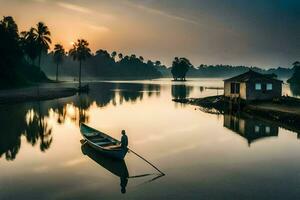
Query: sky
{"type": "Point", "coordinates": [264, 33]}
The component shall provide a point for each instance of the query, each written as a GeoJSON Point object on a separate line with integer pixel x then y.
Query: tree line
{"type": "Point", "coordinates": [15, 70]}
{"type": "Point", "coordinates": [24, 54]}
{"type": "Point", "coordinates": [103, 64]}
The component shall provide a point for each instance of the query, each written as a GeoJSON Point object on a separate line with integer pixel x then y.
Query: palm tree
{"type": "Point", "coordinates": [42, 38]}
{"type": "Point", "coordinates": [80, 52]}
{"type": "Point", "coordinates": [29, 44]}
{"type": "Point", "coordinates": [58, 56]}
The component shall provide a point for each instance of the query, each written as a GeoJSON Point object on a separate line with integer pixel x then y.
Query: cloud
{"type": "Point", "coordinates": [102, 29]}
{"type": "Point", "coordinates": [40, 1]}
{"type": "Point", "coordinates": [73, 7]}
{"type": "Point", "coordinates": [163, 13]}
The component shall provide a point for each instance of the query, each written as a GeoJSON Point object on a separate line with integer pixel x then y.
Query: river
{"type": "Point", "coordinates": [204, 156]}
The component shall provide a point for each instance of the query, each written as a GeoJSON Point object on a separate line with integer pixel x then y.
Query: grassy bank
{"type": "Point", "coordinates": [34, 94]}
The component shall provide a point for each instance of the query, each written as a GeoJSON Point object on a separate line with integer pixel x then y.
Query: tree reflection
{"type": "Point", "coordinates": [31, 123]}
{"type": "Point", "coordinates": [103, 94]}
{"type": "Point", "coordinates": [152, 89]}
{"type": "Point", "coordinates": [181, 91]}
{"type": "Point", "coordinates": [32, 120]}
{"type": "Point", "coordinates": [130, 92]}
{"type": "Point", "coordinates": [37, 129]}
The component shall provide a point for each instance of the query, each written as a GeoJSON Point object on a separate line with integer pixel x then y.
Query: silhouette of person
{"type": "Point", "coordinates": [124, 140]}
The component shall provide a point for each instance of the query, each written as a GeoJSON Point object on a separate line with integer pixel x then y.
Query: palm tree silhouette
{"type": "Point", "coordinates": [58, 56]}
{"type": "Point", "coordinates": [80, 52]}
{"type": "Point", "coordinates": [29, 45]}
{"type": "Point", "coordinates": [42, 36]}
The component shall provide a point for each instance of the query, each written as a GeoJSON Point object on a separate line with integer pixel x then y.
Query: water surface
{"type": "Point", "coordinates": [204, 156]}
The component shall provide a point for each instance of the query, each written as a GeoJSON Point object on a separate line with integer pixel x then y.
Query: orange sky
{"type": "Point", "coordinates": [199, 30]}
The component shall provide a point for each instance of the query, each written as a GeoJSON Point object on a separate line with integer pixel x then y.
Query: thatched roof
{"type": "Point", "coordinates": [252, 76]}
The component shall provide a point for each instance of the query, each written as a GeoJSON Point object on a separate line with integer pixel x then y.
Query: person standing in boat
{"type": "Point", "coordinates": [124, 140]}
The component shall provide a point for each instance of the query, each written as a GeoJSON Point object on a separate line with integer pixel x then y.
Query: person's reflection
{"type": "Point", "coordinates": [123, 184]}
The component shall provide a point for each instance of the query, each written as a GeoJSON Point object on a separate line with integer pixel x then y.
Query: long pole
{"type": "Point", "coordinates": [146, 161]}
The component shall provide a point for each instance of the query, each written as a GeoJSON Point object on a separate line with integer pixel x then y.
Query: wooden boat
{"type": "Point", "coordinates": [102, 142]}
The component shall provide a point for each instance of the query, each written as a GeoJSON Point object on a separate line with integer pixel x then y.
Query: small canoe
{"type": "Point", "coordinates": [102, 142]}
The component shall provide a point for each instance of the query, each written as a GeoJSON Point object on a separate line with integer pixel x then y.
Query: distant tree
{"type": "Point", "coordinates": [114, 54]}
{"type": "Point", "coordinates": [120, 55]}
{"type": "Point", "coordinates": [180, 67]}
{"type": "Point", "coordinates": [141, 58]}
{"type": "Point", "coordinates": [157, 63]}
{"type": "Point", "coordinates": [296, 64]}
{"type": "Point", "coordinates": [295, 79]}
{"type": "Point", "coordinates": [9, 25]}
{"type": "Point", "coordinates": [133, 56]}
{"type": "Point", "coordinates": [9, 41]}
{"type": "Point", "coordinates": [149, 63]}
{"type": "Point", "coordinates": [80, 52]}
{"type": "Point", "coordinates": [58, 56]}
{"type": "Point", "coordinates": [103, 53]}
{"type": "Point", "coordinates": [42, 38]}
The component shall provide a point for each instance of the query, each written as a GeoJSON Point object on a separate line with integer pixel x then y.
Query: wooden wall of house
{"type": "Point", "coordinates": [264, 94]}
{"type": "Point", "coordinates": [227, 90]}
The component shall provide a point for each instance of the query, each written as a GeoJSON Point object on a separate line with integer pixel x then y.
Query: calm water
{"type": "Point", "coordinates": [204, 156]}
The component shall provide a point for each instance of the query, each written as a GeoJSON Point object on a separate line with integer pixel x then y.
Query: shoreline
{"type": "Point", "coordinates": [284, 111]}
{"type": "Point", "coordinates": [12, 96]}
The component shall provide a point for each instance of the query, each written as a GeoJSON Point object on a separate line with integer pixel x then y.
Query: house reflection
{"type": "Point", "coordinates": [250, 129]}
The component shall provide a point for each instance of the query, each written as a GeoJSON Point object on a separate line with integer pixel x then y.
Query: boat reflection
{"type": "Point", "coordinates": [115, 166]}
{"type": "Point", "coordinates": [249, 128]}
